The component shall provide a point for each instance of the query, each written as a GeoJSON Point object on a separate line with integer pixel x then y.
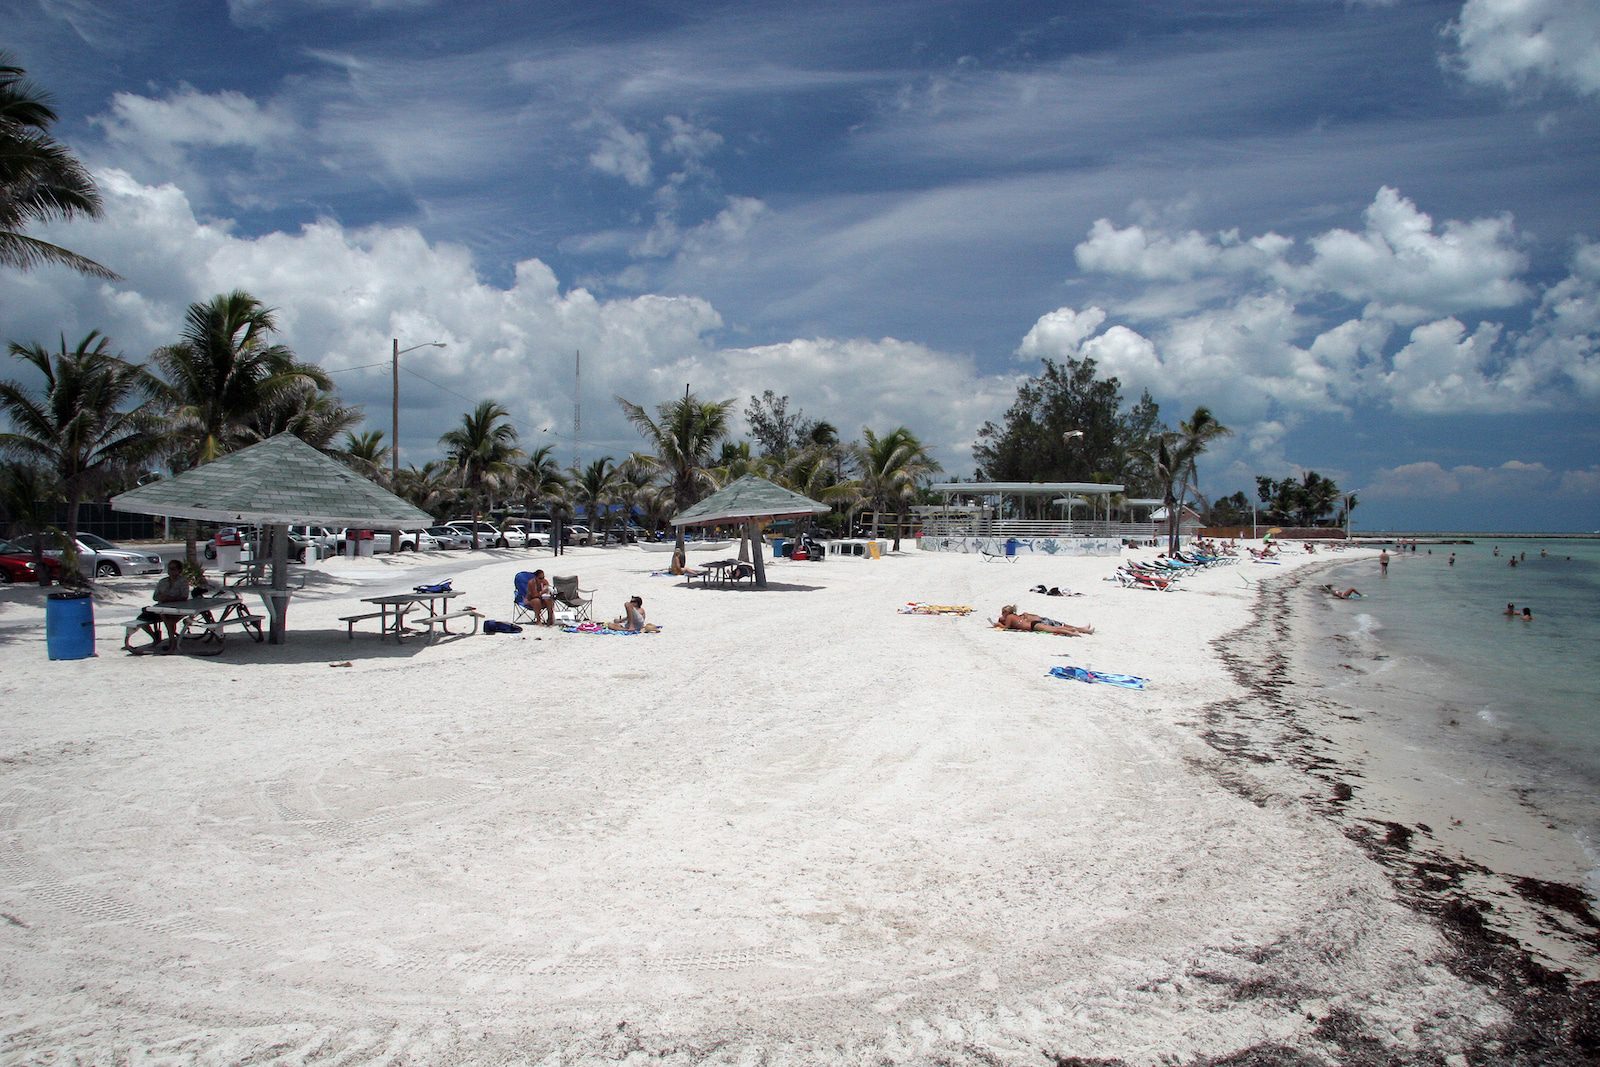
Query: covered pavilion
{"type": "Point", "coordinates": [751, 502]}
{"type": "Point", "coordinates": [274, 484]}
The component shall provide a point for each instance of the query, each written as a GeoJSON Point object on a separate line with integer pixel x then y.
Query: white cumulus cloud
{"type": "Point", "coordinates": [1513, 44]}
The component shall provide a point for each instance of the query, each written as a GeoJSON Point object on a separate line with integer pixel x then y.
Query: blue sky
{"type": "Point", "coordinates": [1365, 234]}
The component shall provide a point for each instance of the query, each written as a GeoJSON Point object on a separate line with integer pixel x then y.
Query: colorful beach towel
{"type": "Point", "coordinates": [916, 607]}
{"type": "Point", "coordinates": [1081, 674]}
{"type": "Point", "coordinates": [604, 630]}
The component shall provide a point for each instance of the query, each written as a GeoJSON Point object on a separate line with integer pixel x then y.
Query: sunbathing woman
{"type": "Point", "coordinates": [1343, 594]}
{"type": "Point", "coordinates": [539, 599]}
{"type": "Point", "coordinates": [632, 617]}
{"type": "Point", "coordinates": [1012, 619]}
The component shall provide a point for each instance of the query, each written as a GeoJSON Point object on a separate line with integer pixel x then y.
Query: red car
{"type": "Point", "coordinates": [16, 565]}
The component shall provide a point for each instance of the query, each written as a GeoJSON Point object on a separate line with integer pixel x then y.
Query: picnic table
{"type": "Point", "coordinates": [722, 570]}
{"type": "Point", "coordinates": [200, 618]}
{"type": "Point", "coordinates": [394, 607]}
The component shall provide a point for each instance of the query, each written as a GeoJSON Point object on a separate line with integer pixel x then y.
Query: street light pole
{"type": "Point", "coordinates": [394, 445]}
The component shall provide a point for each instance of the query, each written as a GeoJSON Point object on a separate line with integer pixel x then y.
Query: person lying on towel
{"type": "Point", "coordinates": [1012, 619]}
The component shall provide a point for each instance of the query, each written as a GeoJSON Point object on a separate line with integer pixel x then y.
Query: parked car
{"type": "Point", "coordinates": [410, 541]}
{"type": "Point", "coordinates": [449, 537]}
{"type": "Point", "coordinates": [489, 536]}
{"type": "Point", "coordinates": [579, 534]}
{"type": "Point", "coordinates": [324, 537]}
{"type": "Point", "coordinates": [228, 537]}
{"type": "Point", "coordinates": [16, 564]}
{"type": "Point", "coordinates": [535, 532]}
{"type": "Point", "coordinates": [97, 556]}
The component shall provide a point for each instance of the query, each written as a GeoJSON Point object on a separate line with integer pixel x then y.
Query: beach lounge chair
{"type": "Point", "coordinates": [571, 596]}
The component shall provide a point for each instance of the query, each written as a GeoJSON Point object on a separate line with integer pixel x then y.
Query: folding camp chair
{"type": "Point", "coordinates": [519, 610]}
{"type": "Point", "coordinates": [569, 595]}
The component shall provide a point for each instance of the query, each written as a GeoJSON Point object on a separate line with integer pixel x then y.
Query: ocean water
{"type": "Point", "coordinates": [1531, 689]}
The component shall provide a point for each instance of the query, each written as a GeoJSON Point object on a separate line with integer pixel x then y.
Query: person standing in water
{"type": "Point", "coordinates": [1383, 561]}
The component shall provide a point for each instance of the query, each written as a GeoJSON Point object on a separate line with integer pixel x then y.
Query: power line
{"type": "Point", "coordinates": [358, 366]}
{"type": "Point", "coordinates": [436, 385]}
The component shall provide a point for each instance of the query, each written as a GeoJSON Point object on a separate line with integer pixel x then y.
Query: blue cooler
{"type": "Point", "coordinates": [69, 626]}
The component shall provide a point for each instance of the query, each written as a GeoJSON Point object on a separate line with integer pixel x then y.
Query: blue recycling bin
{"type": "Point", "coordinates": [1011, 546]}
{"type": "Point", "coordinates": [69, 626]}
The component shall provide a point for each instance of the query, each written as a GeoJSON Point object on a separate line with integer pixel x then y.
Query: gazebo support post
{"type": "Point", "coordinates": [753, 531]}
{"type": "Point", "coordinates": [280, 584]}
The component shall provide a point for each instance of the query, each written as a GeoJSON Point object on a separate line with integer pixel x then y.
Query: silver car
{"type": "Point", "coordinates": [449, 537]}
{"type": "Point", "coordinates": [97, 556]}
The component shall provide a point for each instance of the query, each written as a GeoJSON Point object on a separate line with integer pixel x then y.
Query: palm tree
{"type": "Point", "coordinates": [636, 488]}
{"type": "Point", "coordinates": [483, 450]}
{"type": "Point", "coordinates": [223, 371]}
{"type": "Point", "coordinates": [890, 469]}
{"type": "Point", "coordinates": [1171, 457]}
{"type": "Point", "coordinates": [312, 414]}
{"type": "Point", "coordinates": [426, 487]}
{"type": "Point", "coordinates": [594, 487]}
{"type": "Point", "coordinates": [219, 376]}
{"type": "Point", "coordinates": [681, 440]}
{"type": "Point", "coordinates": [39, 179]}
{"type": "Point", "coordinates": [1198, 432]}
{"type": "Point", "coordinates": [540, 478]}
{"type": "Point", "coordinates": [91, 418]}
{"type": "Point", "coordinates": [366, 452]}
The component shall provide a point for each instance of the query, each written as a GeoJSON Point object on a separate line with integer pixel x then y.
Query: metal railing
{"type": "Point", "coordinates": [1059, 528]}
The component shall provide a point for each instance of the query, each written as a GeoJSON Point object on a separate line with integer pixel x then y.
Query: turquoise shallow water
{"type": "Point", "coordinates": [1533, 687]}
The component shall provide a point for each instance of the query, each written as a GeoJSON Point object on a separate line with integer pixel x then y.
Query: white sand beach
{"type": "Point", "coordinates": [793, 827]}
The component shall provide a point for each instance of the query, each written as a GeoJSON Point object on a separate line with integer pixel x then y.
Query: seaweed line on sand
{"type": "Point", "coordinates": [1552, 1019]}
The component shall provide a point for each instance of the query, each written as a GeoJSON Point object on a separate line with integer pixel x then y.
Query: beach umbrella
{"type": "Point", "coordinates": [280, 482]}
{"type": "Point", "coordinates": [750, 502]}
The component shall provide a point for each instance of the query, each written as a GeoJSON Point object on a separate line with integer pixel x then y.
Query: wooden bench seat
{"type": "Point", "coordinates": [442, 620]}
{"type": "Point", "coordinates": [244, 620]}
{"type": "Point", "coordinates": [351, 620]}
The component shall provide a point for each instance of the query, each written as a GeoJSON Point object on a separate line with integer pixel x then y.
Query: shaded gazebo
{"type": "Point", "coordinates": [274, 484]}
{"type": "Point", "coordinates": [750, 502]}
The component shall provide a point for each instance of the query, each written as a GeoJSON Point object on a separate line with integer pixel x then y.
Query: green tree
{"type": "Point", "coordinates": [540, 480]}
{"type": "Point", "coordinates": [1065, 425]}
{"type": "Point", "coordinates": [312, 414]}
{"type": "Point", "coordinates": [427, 487]}
{"type": "Point", "coordinates": [594, 487]}
{"type": "Point", "coordinates": [39, 179]}
{"type": "Point", "coordinates": [484, 453]}
{"type": "Point", "coordinates": [223, 372]}
{"type": "Point", "coordinates": [1172, 457]}
{"type": "Point", "coordinates": [90, 419]}
{"type": "Point", "coordinates": [681, 440]}
{"type": "Point", "coordinates": [890, 469]}
{"type": "Point", "coordinates": [366, 453]}
{"type": "Point", "coordinates": [218, 378]}
{"type": "Point", "coordinates": [1303, 501]}
{"type": "Point", "coordinates": [778, 434]}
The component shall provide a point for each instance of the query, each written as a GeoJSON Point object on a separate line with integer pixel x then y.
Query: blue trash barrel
{"type": "Point", "coordinates": [69, 626]}
{"type": "Point", "coordinates": [1011, 546]}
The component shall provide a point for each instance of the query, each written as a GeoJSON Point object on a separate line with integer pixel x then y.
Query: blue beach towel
{"type": "Point", "coordinates": [436, 587]}
{"type": "Point", "coordinates": [1080, 674]}
{"type": "Point", "coordinates": [495, 626]}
